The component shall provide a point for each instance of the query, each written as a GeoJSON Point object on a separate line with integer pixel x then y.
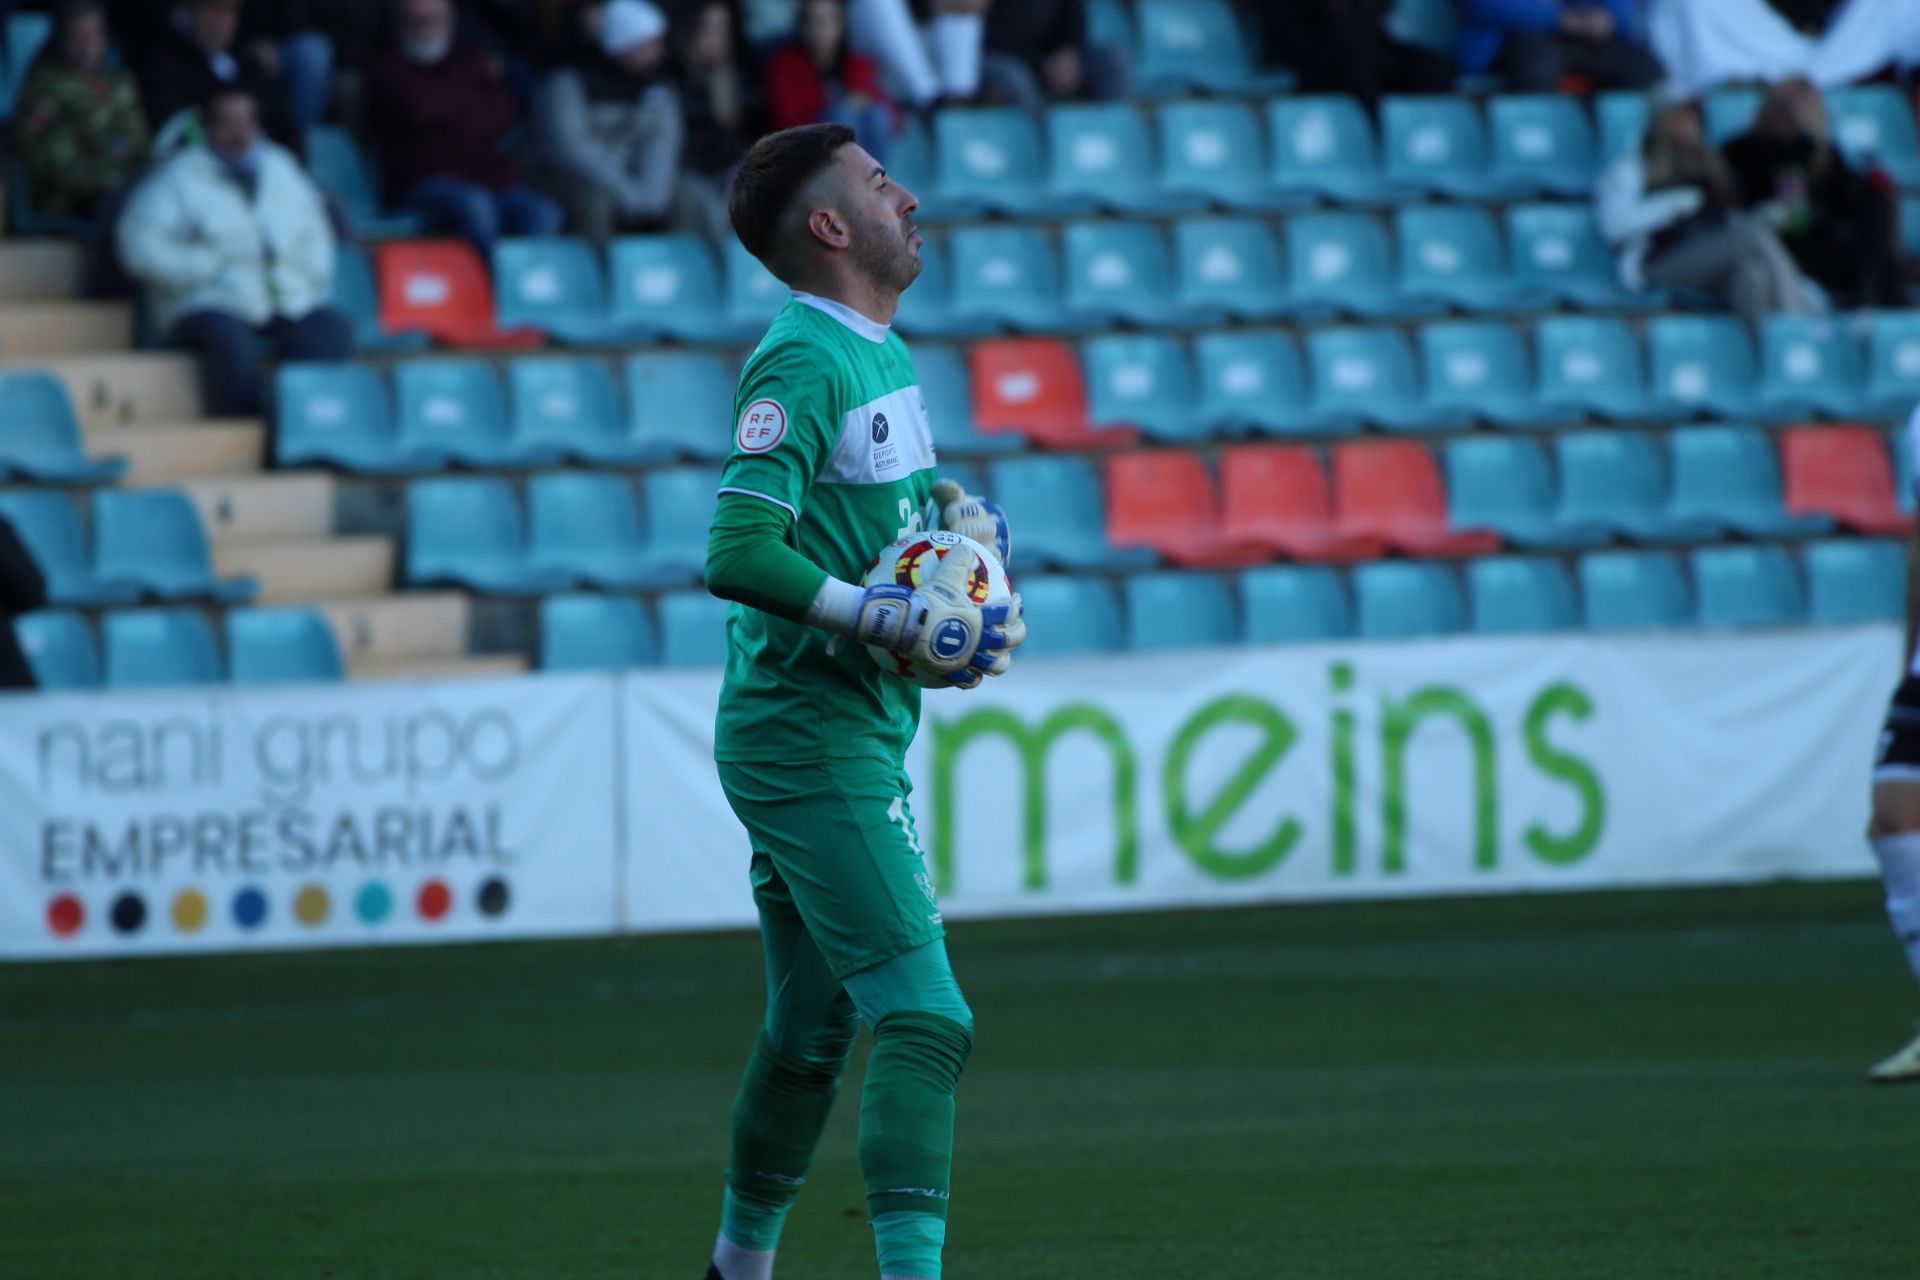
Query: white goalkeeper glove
{"type": "Point", "coordinates": [973, 517]}
{"type": "Point", "coordinates": [937, 626]}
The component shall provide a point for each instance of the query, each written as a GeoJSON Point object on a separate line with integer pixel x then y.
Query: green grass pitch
{"type": "Point", "coordinates": [1628, 1086]}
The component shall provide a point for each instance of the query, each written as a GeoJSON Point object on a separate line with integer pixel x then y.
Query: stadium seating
{"type": "Point", "coordinates": [339, 415]}
{"type": "Point", "coordinates": [154, 538]}
{"type": "Point", "coordinates": [454, 409]}
{"type": "Point", "coordinates": [1542, 143]}
{"type": "Point", "coordinates": [566, 404]}
{"type": "Point", "coordinates": [1069, 615]}
{"type": "Point", "coordinates": [1251, 381]}
{"type": "Point", "coordinates": [596, 633]}
{"type": "Point", "coordinates": [1729, 476]}
{"type": "Point", "coordinates": [1164, 500]}
{"type": "Point", "coordinates": [1507, 485]}
{"type": "Point", "coordinates": [586, 528]}
{"type": "Point", "coordinates": [1059, 512]}
{"type": "Point", "coordinates": [149, 648]}
{"type": "Point", "coordinates": [1034, 387]}
{"type": "Point", "coordinates": [557, 285]}
{"type": "Point", "coordinates": [693, 630]}
{"type": "Point", "coordinates": [468, 532]}
{"type": "Point", "coordinates": [1557, 251]}
{"type": "Point", "coordinates": [1141, 382]}
{"type": "Point", "coordinates": [1873, 126]}
{"type": "Point", "coordinates": [1342, 264]}
{"type": "Point", "coordinates": [927, 308]}
{"type": "Point", "coordinates": [1179, 611]}
{"type": "Point", "coordinates": [948, 391]}
{"type": "Point", "coordinates": [1809, 366]}
{"type": "Point", "coordinates": [1622, 116]}
{"type": "Point", "coordinates": [60, 648]}
{"type": "Point", "coordinates": [278, 646]}
{"type": "Point", "coordinates": [1292, 604]}
{"type": "Point", "coordinates": [1211, 152]}
{"type": "Point", "coordinates": [1617, 480]}
{"type": "Point", "coordinates": [1730, 112]}
{"type": "Point", "coordinates": [1395, 600]}
{"type": "Point", "coordinates": [1841, 472]}
{"type": "Point", "coordinates": [41, 441]}
{"type": "Point", "coordinates": [357, 297]}
{"type": "Point", "coordinates": [1519, 593]}
{"type": "Point", "coordinates": [990, 160]}
{"type": "Point", "coordinates": [1323, 148]}
{"type": "Point", "coordinates": [754, 295]}
{"type": "Point", "coordinates": [1857, 580]}
{"type": "Point", "coordinates": [1702, 365]}
{"type": "Point", "coordinates": [1633, 591]}
{"type": "Point", "coordinates": [1746, 586]}
{"type": "Point", "coordinates": [676, 512]}
{"type": "Point", "coordinates": [1006, 275]}
{"type": "Point", "coordinates": [1119, 272]}
{"type": "Point", "coordinates": [49, 525]}
{"type": "Point", "coordinates": [1102, 154]}
{"type": "Point", "coordinates": [1481, 369]}
{"type": "Point", "coordinates": [441, 288]}
{"type": "Point", "coordinates": [1893, 363]}
{"type": "Point", "coordinates": [1392, 490]}
{"type": "Point", "coordinates": [337, 165]}
{"type": "Point", "coordinates": [1451, 257]}
{"type": "Point", "coordinates": [1369, 375]}
{"type": "Point", "coordinates": [1277, 498]}
{"type": "Point", "coordinates": [1192, 45]}
{"type": "Point", "coordinates": [1591, 365]}
{"type": "Point", "coordinates": [1439, 145]}
{"type": "Point", "coordinates": [679, 405]}
{"type": "Point", "coordinates": [1228, 267]}
{"type": "Point", "coordinates": [670, 285]}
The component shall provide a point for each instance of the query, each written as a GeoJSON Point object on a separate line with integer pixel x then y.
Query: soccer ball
{"type": "Point", "coordinates": [903, 561]}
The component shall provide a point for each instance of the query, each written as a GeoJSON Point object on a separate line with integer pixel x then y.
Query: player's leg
{"type": "Point", "coordinates": [789, 1086]}
{"type": "Point", "coordinates": [1895, 835]}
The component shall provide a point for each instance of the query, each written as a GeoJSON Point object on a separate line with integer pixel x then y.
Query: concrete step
{"type": "Point", "coordinates": [410, 625]}
{"type": "Point", "coordinates": [65, 328]}
{"type": "Point", "coordinates": [168, 452]}
{"type": "Point", "coordinates": [114, 390]}
{"type": "Point", "coordinates": [446, 667]}
{"type": "Point", "coordinates": [293, 570]}
{"type": "Point", "coordinates": [34, 269]}
{"type": "Point", "coordinates": [264, 505]}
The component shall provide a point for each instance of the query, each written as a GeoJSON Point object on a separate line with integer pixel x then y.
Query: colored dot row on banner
{"type": "Point", "coordinates": [312, 906]}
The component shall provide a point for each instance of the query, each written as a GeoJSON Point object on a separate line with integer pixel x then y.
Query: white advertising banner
{"type": "Point", "coordinates": [225, 819]}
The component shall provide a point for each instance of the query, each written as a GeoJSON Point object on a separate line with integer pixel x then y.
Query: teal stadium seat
{"type": "Point", "coordinates": [1634, 591]}
{"type": "Point", "coordinates": [669, 285]}
{"type": "Point", "coordinates": [557, 285]}
{"type": "Point", "coordinates": [1910, 223]}
{"type": "Point", "coordinates": [282, 646]}
{"type": "Point", "coordinates": [1729, 476]}
{"type": "Point", "coordinates": [1007, 275]}
{"type": "Point", "coordinates": [1591, 365]}
{"type": "Point", "coordinates": [1178, 610]}
{"type": "Point", "coordinates": [1211, 152]}
{"type": "Point", "coordinates": [990, 159]}
{"type": "Point", "coordinates": [1108, 22]}
{"type": "Point", "coordinates": [61, 651]}
{"type": "Point", "coordinates": [1730, 112]}
{"type": "Point", "coordinates": [1509, 594]}
{"type": "Point", "coordinates": [585, 527]}
{"type": "Point", "coordinates": [1187, 46]}
{"type": "Point", "coordinates": [754, 295]}
{"type": "Point", "coordinates": [1059, 509]}
{"type": "Point", "coordinates": [469, 532]}
{"type": "Point", "coordinates": [1295, 604]}
{"type": "Point", "coordinates": [1506, 484]}
{"type": "Point", "coordinates": [1342, 263]}
{"type": "Point", "coordinates": [1617, 480]}
{"type": "Point", "coordinates": [1395, 600]}
{"type": "Point", "coordinates": [1101, 153]}
{"type": "Point", "coordinates": [1557, 250]}
{"type": "Point", "coordinates": [41, 438]}
{"type": "Point", "coordinates": [154, 537]}
{"type": "Point", "coordinates": [947, 389]}
{"type": "Point", "coordinates": [566, 403]}
{"type": "Point", "coordinates": [1873, 125]}
{"type": "Point", "coordinates": [341, 170]}
{"type": "Point", "coordinates": [1230, 267]}
{"type": "Point", "coordinates": [1702, 365]}
{"type": "Point", "coordinates": [1141, 381]}
{"type": "Point", "coordinates": [159, 648]}
{"type": "Point", "coordinates": [1370, 374]}
{"type": "Point", "coordinates": [1439, 145]}
{"type": "Point", "coordinates": [1069, 615]}
{"type": "Point", "coordinates": [1543, 143]}
{"type": "Point", "coordinates": [679, 405]}
{"type": "Point", "coordinates": [1323, 148]}
{"type": "Point", "coordinates": [580, 632]}
{"type": "Point", "coordinates": [1856, 580]}
{"type": "Point", "coordinates": [339, 415]}
{"type": "Point", "coordinates": [1481, 368]}
{"type": "Point", "coordinates": [455, 409]}
{"type": "Point", "coordinates": [693, 630]}
{"type": "Point", "coordinates": [926, 310]}
{"type": "Point", "coordinates": [1252, 382]}
{"type": "Point", "coordinates": [358, 298]}
{"type": "Point", "coordinates": [27, 34]}
{"type": "Point", "coordinates": [1622, 116]}
{"type": "Point", "coordinates": [1746, 586]}
{"type": "Point", "coordinates": [1450, 256]}
{"type": "Point", "coordinates": [1893, 363]}
{"type": "Point", "coordinates": [677, 509]}
{"type": "Point", "coordinates": [1809, 367]}
{"type": "Point", "coordinates": [49, 525]}
{"type": "Point", "coordinates": [1433, 23]}
{"type": "Point", "coordinates": [1119, 272]}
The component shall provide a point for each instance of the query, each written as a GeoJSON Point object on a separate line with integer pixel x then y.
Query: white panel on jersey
{"type": "Point", "coordinates": [882, 441]}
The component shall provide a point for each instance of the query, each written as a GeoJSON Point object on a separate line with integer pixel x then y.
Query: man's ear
{"type": "Point", "coordinates": [829, 228]}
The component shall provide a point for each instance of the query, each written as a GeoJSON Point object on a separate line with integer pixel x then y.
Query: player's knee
{"type": "Point", "coordinates": [812, 1065]}
{"type": "Point", "coordinates": [937, 1045]}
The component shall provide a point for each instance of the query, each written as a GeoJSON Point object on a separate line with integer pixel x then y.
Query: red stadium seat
{"type": "Point", "coordinates": [1843, 472]}
{"type": "Point", "coordinates": [1163, 499]}
{"type": "Point", "coordinates": [1276, 496]}
{"type": "Point", "coordinates": [1032, 387]}
{"type": "Point", "coordinates": [441, 287]}
{"type": "Point", "coordinates": [1392, 490]}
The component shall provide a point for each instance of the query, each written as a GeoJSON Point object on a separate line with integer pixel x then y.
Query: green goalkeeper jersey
{"type": "Point", "coordinates": [829, 423]}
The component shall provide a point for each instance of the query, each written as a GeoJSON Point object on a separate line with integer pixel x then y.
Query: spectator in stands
{"type": "Point", "coordinates": [22, 590]}
{"type": "Point", "coordinates": [1671, 210]}
{"type": "Point", "coordinates": [443, 117]}
{"type": "Point", "coordinates": [1841, 225]}
{"type": "Point", "coordinates": [1533, 43]}
{"type": "Point", "coordinates": [719, 96]}
{"type": "Point", "coordinates": [285, 37]}
{"type": "Point", "coordinates": [81, 129]}
{"type": "Point", "coordinates": [1345, 46]}
{"type": "Point", "coordinates": [608, 134]}
{"type": "Point", "coordinates": [231, 240]}
{"type": "Point", "coordinates": [815, 79]}
{"type": "Point", "coordinates": [199, 52]}
{"type": "Point", "coordinates": [1038, 51]}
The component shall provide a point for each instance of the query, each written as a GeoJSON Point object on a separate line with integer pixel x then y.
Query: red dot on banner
{"type": "Point", "coordinates": [65, 915]}
{"type": "Point", "coordinates": [434, 899]}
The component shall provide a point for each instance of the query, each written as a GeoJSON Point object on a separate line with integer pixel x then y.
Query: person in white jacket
{"type": "Point", "coordinates": [231, 240]}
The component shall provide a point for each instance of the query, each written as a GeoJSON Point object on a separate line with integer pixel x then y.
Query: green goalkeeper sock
{"type": "Point", "coordinates": [906, 1136]}
{"type": "Point", "coordinates": [777, 1120]}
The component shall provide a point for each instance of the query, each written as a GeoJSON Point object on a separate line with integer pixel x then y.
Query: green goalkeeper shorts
{"type": "Point", "coordinates": [835, 842]}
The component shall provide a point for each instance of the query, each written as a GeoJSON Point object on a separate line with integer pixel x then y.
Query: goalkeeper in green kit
{"type": "Point", "coordinates": [832, 459]}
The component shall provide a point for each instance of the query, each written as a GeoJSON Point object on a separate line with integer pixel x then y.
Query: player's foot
{"type": "Point", "coordinates": [1902, 1068]}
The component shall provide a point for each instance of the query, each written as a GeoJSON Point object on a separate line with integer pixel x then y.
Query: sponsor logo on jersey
{"type": "Point", "coordinates": [762, 424]}
{"type": "Point", "coordinates": [880, 428]}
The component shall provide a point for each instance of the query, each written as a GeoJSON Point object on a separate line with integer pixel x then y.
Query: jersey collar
{"type": "Point", "coordinates": [846, 315]}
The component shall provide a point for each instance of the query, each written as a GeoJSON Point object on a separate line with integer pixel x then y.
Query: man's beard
{"type": "Point", "coordinates": [881, 254]}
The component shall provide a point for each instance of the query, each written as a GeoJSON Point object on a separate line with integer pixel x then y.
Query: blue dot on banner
{"type": "Point", "coordinates": [249, 908]}
{"type": "Point", "coordinates": [374, 902]}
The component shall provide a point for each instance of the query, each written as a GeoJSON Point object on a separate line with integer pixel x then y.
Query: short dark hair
{"type": "Point", "coordinates": [772, 174]}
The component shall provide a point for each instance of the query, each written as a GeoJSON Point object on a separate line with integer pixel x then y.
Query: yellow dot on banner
{"type": "Point", "coordinates": [189, 910]}
{"type": "Point", "coordinates": [311, 905]}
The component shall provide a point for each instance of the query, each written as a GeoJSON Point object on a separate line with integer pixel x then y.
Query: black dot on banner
{"type": "Point", "coordinates": [494, 897]}
{"type": "Point", "coordinates": [129, 913]}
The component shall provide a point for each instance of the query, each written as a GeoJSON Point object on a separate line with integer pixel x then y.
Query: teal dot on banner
{"type": "Point", "coordinates": [374, 902]}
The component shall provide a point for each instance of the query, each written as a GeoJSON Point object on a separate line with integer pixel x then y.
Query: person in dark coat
{"type": "Point", "coordinates": [200, 52]}
{"type": "Point", "coordinates": [1344, 46]}
{"type": "Point", "coordinates": [1038, 51]}
{"type": "Point", "coordinates": [22, 590]}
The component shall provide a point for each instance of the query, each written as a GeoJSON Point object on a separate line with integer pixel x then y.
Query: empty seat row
{"type": "Point", "coordinates": [148, 544]}
{"type": "Point", "coordinates": [145, 648]}
{"type": "Point", "coordinates": [40, 440]}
